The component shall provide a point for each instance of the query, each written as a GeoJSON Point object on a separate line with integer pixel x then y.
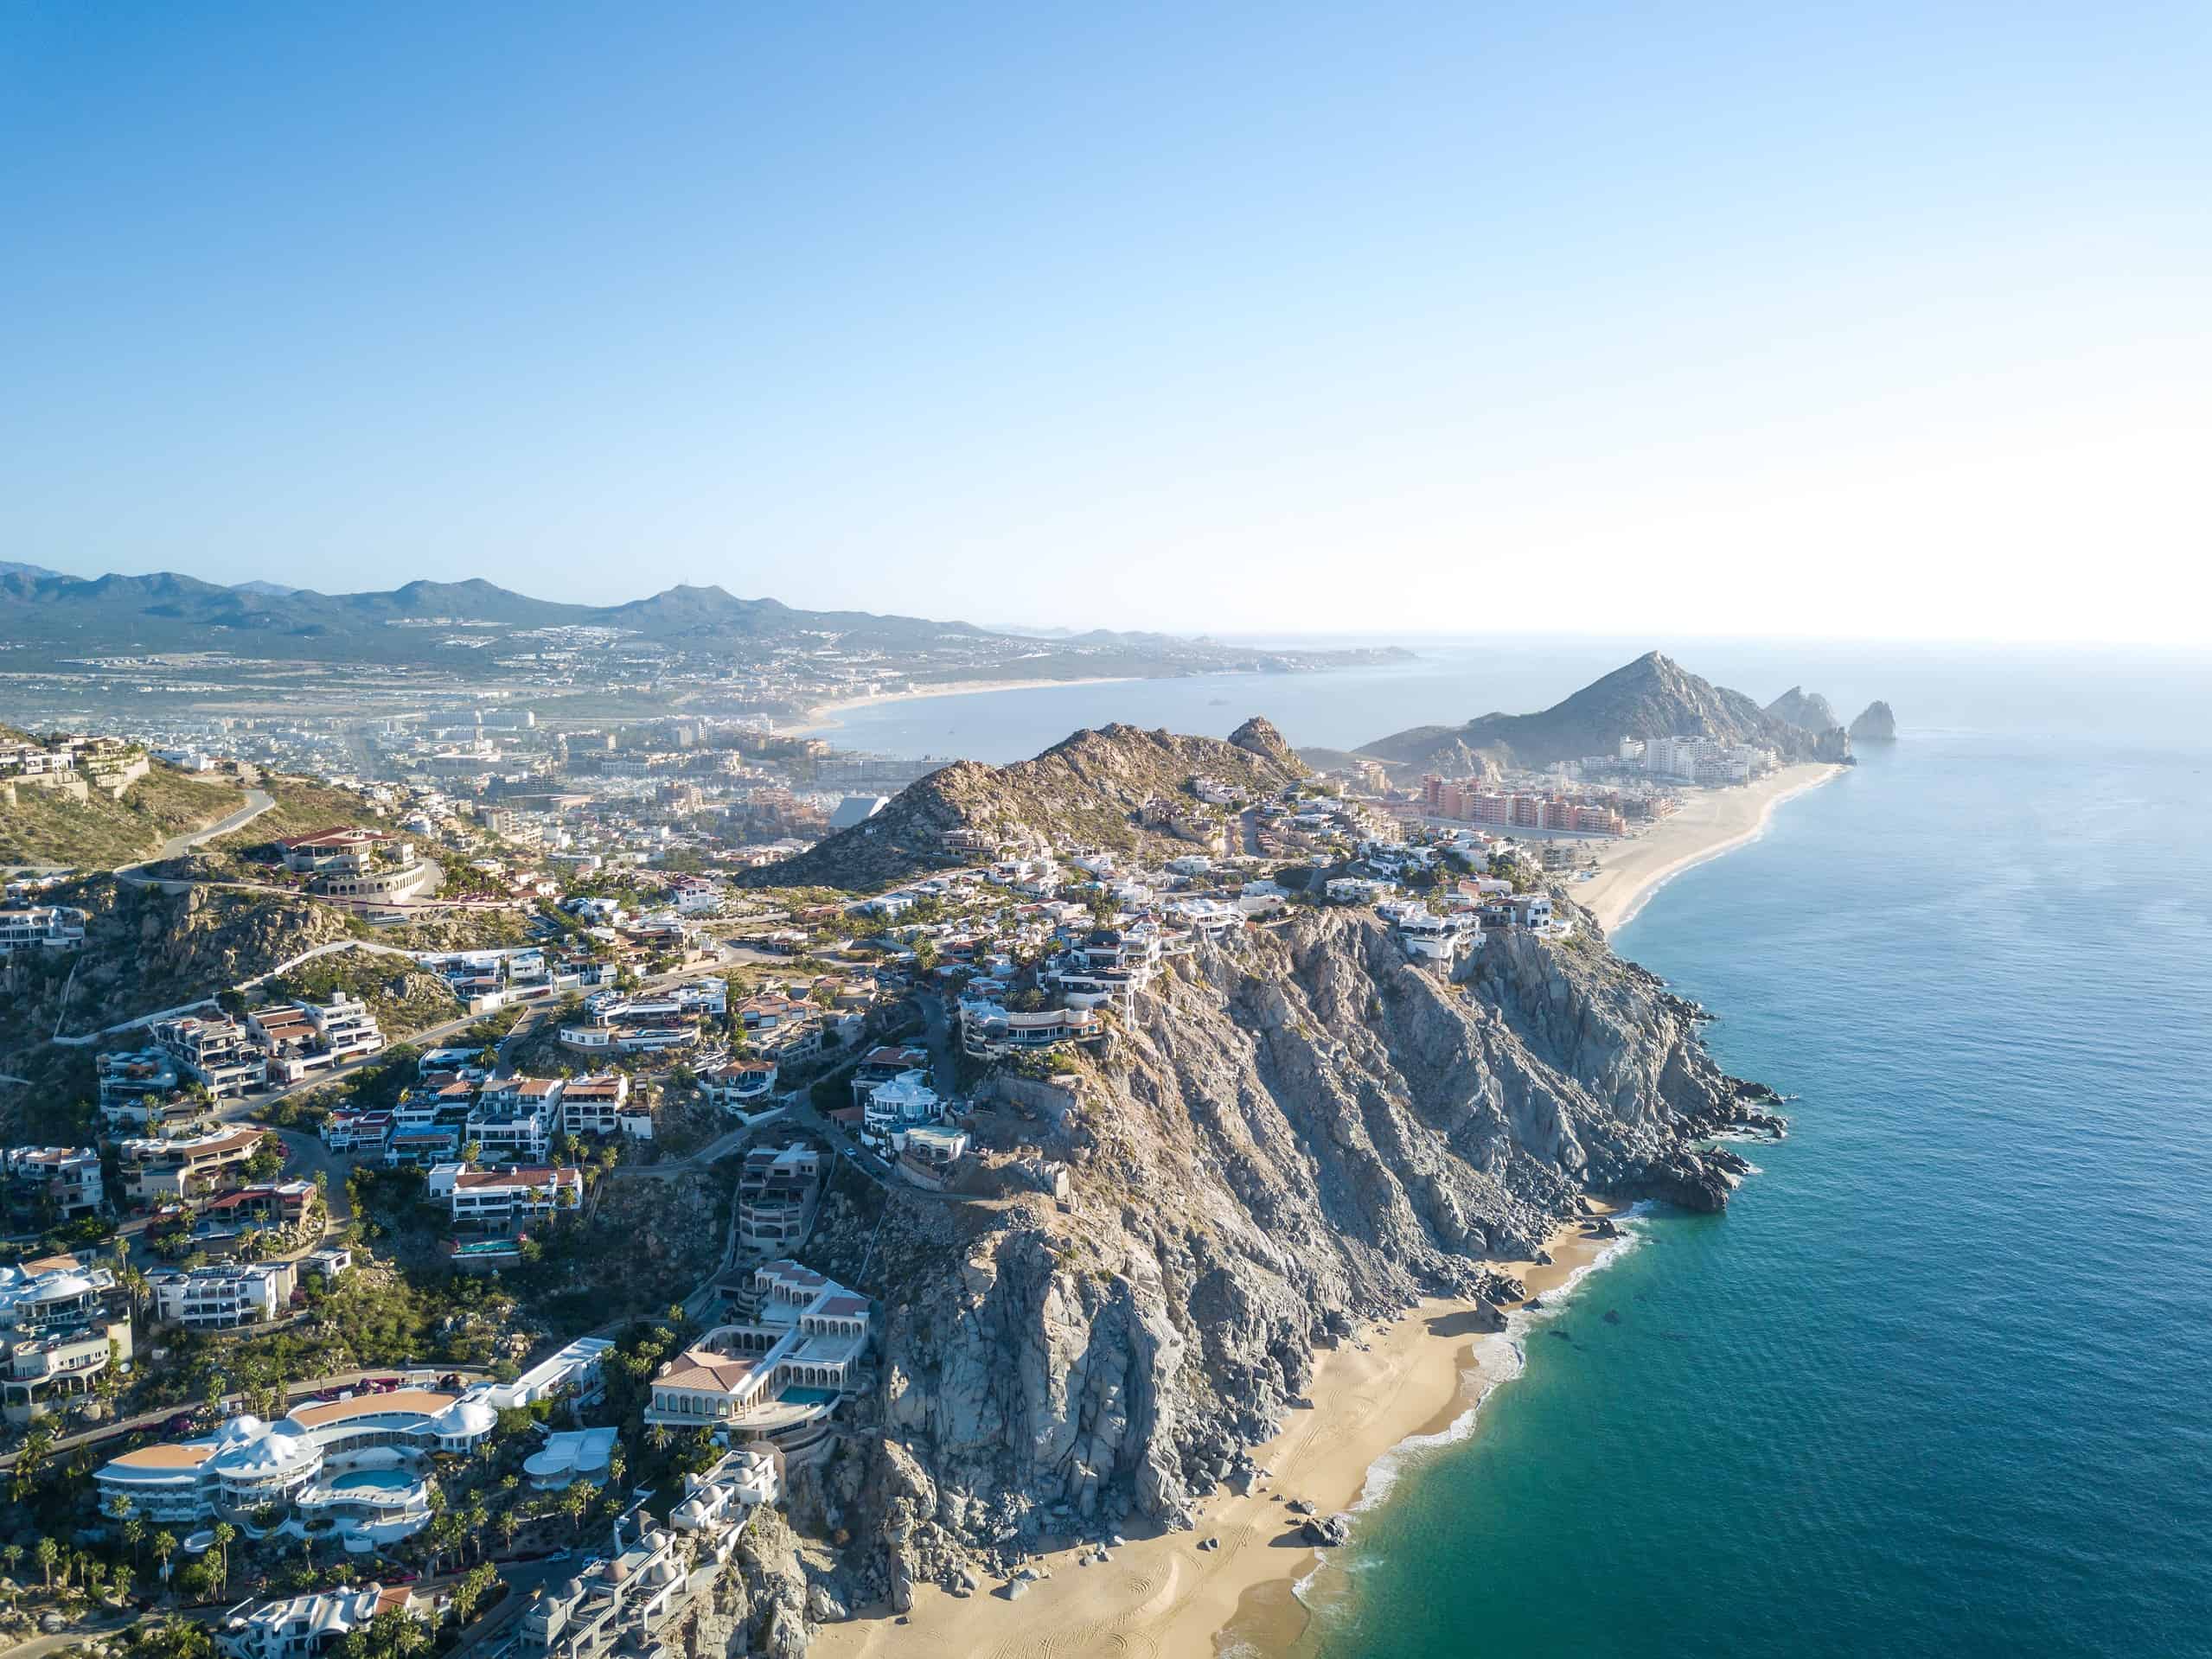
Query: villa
{"type": "Point", "coordinates": [348, 1468]}
{"type": "Point", "coordinates": [776, 1190]}
{"type": "Point", "coordinates": [905, 1100]}
{"type": "Point", "coordinates": [306, 1627]}
{"type": "Point", "coordinates": [186, 1168]}
{"type": "Point", "coordinates": [56, 1336]}
{"type": "Point", "coordinates": [69, 1178]}
{"type": "Point", "coordinates": [569, 1455]}
{"type": "Point", "coordinates": [515, 1118]}
{"type": "Point", "coordinates": [505, 1198]}
{"type": "Point", "coordinates": [222, 1298]}
{"type": "Point", "coordinates": [741, 1084]}
{"type": "Point", "coordinates": [135, 1087]}
{"type": "Point", "coordinates": [988, 1030]}
{"type": "Point", "coordinates": [776, 1377]}
{"type": "Point", "coordinates": [601, 1105]}
{"type": "Point", "coordinates": [217, 1053]}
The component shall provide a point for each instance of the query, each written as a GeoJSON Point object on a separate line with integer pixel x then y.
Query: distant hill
{"type": "Point", "coordinates": [116, 615]}
{"type": "Point", "coordinates": [1652, 697]}
{"type": "Point", "coordinates": [9, 567]}
{"type": "Point", "coordinates": [1089, 787]}
{"type": "Point", "coordinates": [1808, 710]}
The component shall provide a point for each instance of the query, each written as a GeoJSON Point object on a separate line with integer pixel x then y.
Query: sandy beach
{"type": "Point", "coordinates": [1163, 1596]}
{"type": "Point", "coordinates": [822, 716]}
{"type": "Point", "coordinates": [1711, 822]}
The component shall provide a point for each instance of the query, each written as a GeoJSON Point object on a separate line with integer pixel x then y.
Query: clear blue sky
{"type": "Point", "coordinates": [1878, 318]}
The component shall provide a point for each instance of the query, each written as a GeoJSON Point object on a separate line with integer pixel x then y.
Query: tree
{"type": "Point", "coordinates": [469, 1594]}
{"type": "Point", "coordinates": [46, 1555]}
{"type": "Point", "coordinates": [165, 1546]}
{"type": "Point", "coordinates": [224, 1532]}
{"type": "Point", "coordinates": [134, 1533]}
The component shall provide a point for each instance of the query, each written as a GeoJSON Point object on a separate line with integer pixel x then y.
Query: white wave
{"type": "Point", "coordinates": [1499, 1357]}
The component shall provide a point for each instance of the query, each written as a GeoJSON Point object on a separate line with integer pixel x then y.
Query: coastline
{"type": "Point", "coordinates": [1393, 1388]}
{"type": "Point", "coordinates": [1711, 823]}
{"type": "Point", "coordinates": [821, 716]}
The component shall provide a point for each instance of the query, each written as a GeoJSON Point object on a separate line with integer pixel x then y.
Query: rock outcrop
{"type": "Point", "coordinates": [1295, 1132]}
{"type": "Point", "coordinates": [1807, 711]}
{"type": "Point", "coordinates": [1876, 725]}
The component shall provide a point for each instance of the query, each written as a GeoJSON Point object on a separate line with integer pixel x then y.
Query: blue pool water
{"type": "Point", "coordinates": [381, 1480]}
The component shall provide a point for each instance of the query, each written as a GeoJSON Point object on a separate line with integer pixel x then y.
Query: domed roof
{"type": "Point", "coordinates": [268, 1454]}
{"type": "Point", "coordinates": [465, 1416]}
{"type": "Point", "coordinates": [573, 1588]}
{"type": "Point", "coordinates": [61, 1288]}
{"type": "Point", "coordinates": [657, 1538]}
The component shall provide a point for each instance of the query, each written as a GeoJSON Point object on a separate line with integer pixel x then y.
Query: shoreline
{"type": "Point", "coordinates": [1712, 822]}
{"type": "Point", "coordinates": [821, 716]}
{"type": "Point", "coordinates": [1393, 1389]}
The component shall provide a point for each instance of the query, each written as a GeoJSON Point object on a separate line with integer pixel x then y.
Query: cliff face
{"type": "Point", "coordinates": [1294, 1134]}
{"type": "Point", "coordinates": [1807, 710]}
{"type": "Point", "coordinates": [1876, 725]}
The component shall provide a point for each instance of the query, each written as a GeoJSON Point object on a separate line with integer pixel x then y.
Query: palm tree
{"type": "Point", "coordinates": [165, 1546]}
{"type": "Point", "coordinates": [617, 1465]}
{"type": "Point", "coordinates": [224, 1532]}
{"type": "Point", "coordinates": [11, 1558]}
{"type": "Point", "coordinates": [134, 1533]}
{"type": "Point", "coordinates": [45, 1554]}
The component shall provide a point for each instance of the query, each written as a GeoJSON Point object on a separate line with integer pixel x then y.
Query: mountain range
{"type": "Point", "coordinates": [113, 615]}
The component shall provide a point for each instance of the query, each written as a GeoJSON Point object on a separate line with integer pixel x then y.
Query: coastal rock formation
{"type": "Point", "coordinates": [1808, 710]}
{"type": "Point", "coordinates": [1294, 1133]}
{"type": "Point", "coordinates": [1652, 697]}
{"type": "Point", "coordinates": [1876, 725]}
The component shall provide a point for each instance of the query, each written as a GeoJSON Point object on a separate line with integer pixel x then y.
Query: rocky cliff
{"type": "Point", "coordinates": [1875, 724]}
{"type": "Point", "coordinates": [1088, 788]}
{"type": "Point", "coordinates": [1652, 697]}
{"type": "Point", "coordinates": [1296, 1133]}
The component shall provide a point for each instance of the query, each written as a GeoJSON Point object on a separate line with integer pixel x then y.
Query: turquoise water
{"type": "Point", "coordinates": [1941, 1381]}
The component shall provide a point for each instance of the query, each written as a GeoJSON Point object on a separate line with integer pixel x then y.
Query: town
{"type": "Point", "coordinates": [369, 1117]}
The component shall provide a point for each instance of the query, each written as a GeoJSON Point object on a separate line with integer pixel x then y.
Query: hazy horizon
{"type": "Point", "coordinates": [1884, 323]}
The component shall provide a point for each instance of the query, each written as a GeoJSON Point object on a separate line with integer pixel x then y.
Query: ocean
{"type": "Point", "coordinates": [1940, 1380]}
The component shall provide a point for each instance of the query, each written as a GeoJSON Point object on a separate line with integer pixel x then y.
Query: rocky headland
{"type": "Point", "coordinates": [1876, 724]}
{"type": "Point", "coordinates": [1292, 1135]}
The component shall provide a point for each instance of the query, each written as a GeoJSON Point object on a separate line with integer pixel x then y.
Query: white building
{"type": "Point", "coordinates": [222, 1298]}
{"type": "Point", "coordinates": [505, 1198]}
{"type": "Point", "coordinates": [900, 1103]}
{"type": "Point", "coordinates": [309, 1626]}
{"type": "Point", "coordinates": [46, 927]}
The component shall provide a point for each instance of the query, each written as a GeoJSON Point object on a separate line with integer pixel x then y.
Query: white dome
{"type": "Point", "coordinates": [469, 1417]}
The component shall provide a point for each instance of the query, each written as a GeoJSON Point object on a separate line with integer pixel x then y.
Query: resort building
{"type": "Point", "coordinates": [988, 1030]}
{"type": "Point", "coordinates": [616, 1604]}
{"type": "Point", "coordinates": [353, 1469]}
{"type": "Point", "coordinates": [41, 926]}
{"type": "Point", "coordinates": [776, 1375]}
{"type": "Point", "coordinates": [569, 1455]}
{"type": "Point", "coordinates": [303, 1039]}
{"type": "Point", "coordinates": [514, 1119]}
{"type": "Point", "coordinates": [716, 1504]}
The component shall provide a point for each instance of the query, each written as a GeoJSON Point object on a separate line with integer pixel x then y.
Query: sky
{"type": "Point", "coordinates": [1882, 320]}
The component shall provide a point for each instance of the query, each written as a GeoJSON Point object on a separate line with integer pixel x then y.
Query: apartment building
{"type": "Point", "coordinates": [515, 1118]}
{"type": "Point", "coordinates": [222, 1297]}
